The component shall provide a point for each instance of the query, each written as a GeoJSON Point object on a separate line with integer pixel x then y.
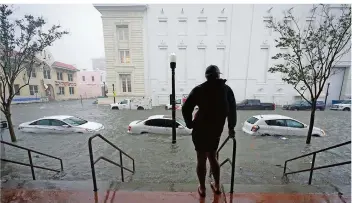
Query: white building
{"type": "Point", "coordinates": [139, 38]}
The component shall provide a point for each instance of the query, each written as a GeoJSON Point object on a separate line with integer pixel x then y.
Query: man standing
{"type": "Point", "coordinates": [215, 101]}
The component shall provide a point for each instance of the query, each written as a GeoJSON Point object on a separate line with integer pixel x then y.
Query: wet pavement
{"type": "Point", "coordinates": [259, 159]}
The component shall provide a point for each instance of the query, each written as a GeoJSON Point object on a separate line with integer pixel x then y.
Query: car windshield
{"type": "Point", "coordinates": [74, 121]}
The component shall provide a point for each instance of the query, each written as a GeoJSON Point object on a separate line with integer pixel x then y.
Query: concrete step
{"type": "Point", "coordinates": [81, 191]}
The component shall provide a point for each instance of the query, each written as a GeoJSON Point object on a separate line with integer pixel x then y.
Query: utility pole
{"type": "Point", "coordinates": [173, 67]}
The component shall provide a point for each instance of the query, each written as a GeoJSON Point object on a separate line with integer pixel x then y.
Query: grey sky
{"type": "Point", "coordinates": [83, 21]}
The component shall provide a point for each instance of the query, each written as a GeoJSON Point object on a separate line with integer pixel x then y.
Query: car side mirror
{"type": "Point", "coordinates": [66, 126]}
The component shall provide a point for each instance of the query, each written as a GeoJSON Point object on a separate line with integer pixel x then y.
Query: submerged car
{"type": "Point", "coordinates": [255, 104]}
{"type": "Point", "coordinates": [60, 124]}
{"type": "Point", "coordinates": [278, 125]}
{"type": "Point", "coordinates": [343, 106]}
{"type": "Point", "coordinates": [158, 124]}
{"type": "Point", "coordinates": [304, 105]}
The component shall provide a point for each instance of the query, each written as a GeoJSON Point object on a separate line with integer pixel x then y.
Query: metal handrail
{"type": "Point", "coordinates": [312, 168]}
{"type": "Point", "coordinates": [232, 162]}
{"type": "Point", "coordinates": [30, 159]}
{"type": "Point", "coordinates": [92, 162]}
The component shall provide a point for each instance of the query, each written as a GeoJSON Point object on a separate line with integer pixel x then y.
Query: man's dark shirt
{"type": "Point", "coordinates": [215, 101]}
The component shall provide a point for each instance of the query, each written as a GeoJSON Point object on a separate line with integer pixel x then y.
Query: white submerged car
{"type": "Point", "coordinates": [278, 125]}
{"type": "Point", "coordinates": [343, 106]}
{"type": "Point", "coordinates": [60, 124]}
{"type": "Point", "coordinates": [158, 124]}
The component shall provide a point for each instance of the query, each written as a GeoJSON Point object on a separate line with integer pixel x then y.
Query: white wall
{"type": "Point", "coordinates": [242, 48]}
{"type": "Point", "coordinates": [243, 53]}
{"type": "Point", "coordinates": [194, 49]}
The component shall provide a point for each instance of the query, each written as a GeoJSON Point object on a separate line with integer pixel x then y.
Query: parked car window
{"type": "Point", "coordinates": [252, 120]}
{"type": "Point", "coordinates": [346, 102]}
{"type": "Point", "coordinates": [278, 122]}
{"type": "Point", "coordinates": [320, 102]}
{"type": "Point", "coordinates": [55, 122]}
{"type": "Point", "coordinates": [294, 124]}
{"type": "Point", "coordinates": [305, 103]}
{"type": "Point", "coordinates": [155, 122]}
{"type": "Point", "coordinates": [41, 122]}
{"type": "Point", "coordinates": [254, 102]}
{"type": "Point", "coordinates": [74, 121]}
{"type": "Point", "coordinates": [244, 101]}
{"type": "Point", "coordinates": [168, 123]}
{"type": "Point", "coordinates": [123, 102]}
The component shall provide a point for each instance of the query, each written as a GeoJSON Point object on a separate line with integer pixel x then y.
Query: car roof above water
{"type": "Point", "coordinates": [271, 116]}
{"type": "Point", "coordinates": [160, 117]}
{"type": "Point", "coordinates": [59, 117]}
{"type": "Point", "coordinates": [157, 117]}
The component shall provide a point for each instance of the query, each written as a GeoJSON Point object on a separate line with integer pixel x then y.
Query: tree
{"type": "Point", "coordinates": [314, 50]}
{"type": "Point", "coordinates": [20, 42]}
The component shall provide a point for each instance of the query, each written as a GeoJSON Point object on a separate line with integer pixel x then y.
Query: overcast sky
{"type": "Point", "coordinates": [83, 21]}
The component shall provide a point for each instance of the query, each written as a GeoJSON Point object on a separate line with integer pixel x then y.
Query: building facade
{"type": "Point", "coordinates": [89, 84]}
{"type": "Point", "coordinates": [233, 37]}
{"type": "Point", "coordinates": [99, 64]}
{"type": "Point", "coordinates": [64, 77]}
{"type": "Point", "coordinates": [124, 49]}
{"type": "Point", "coordinates": [36, 91]}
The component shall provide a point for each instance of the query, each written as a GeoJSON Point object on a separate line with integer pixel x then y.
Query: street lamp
{"type": "Point", "coordinates": [113, 91]}
{"type": "Point", "coordinates": [173, 67]}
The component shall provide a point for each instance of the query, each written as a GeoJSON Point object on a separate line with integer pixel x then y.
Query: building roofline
{"type": "Point", "coordinates": [120, 7]}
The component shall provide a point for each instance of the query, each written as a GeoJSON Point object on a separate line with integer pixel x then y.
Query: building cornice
{"type": "Point", "coordinates": [120, 7]}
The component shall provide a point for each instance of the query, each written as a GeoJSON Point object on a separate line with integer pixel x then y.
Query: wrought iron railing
{"type": "Point", "coordinates": [312, 167]}
{"type": "Point", "coordinates": [92, 162]}
{"type": "Point", "coordinates": [228, 160]}
{"type": "Point", "coordinates": [30, 151]}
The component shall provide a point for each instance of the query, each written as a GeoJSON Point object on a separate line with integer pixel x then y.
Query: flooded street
{"type": "Point", "coordinates": [260, 160]}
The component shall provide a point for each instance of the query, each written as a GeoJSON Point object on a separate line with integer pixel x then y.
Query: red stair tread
{"type": "Point", "coordinates": [46, 196]}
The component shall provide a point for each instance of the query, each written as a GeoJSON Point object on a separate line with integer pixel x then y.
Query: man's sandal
{"type": "Point", "coordinates": [201, 194]}
{"type": "Point", "coordinates": [216, 191]}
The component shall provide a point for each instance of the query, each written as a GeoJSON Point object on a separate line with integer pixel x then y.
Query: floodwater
{"type": "Point", "coordinates": [259, 160]}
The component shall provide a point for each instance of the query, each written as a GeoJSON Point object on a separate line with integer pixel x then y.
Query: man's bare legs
{"type": "Point", "coordinates": [201, 169]}
{"type": "Point", "coordinates": [215, 168]}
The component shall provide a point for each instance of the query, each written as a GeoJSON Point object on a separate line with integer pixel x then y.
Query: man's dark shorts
{"type": "Point", "coordinates": [206, 141]}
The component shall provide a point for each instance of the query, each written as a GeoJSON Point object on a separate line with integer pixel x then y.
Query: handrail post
{"type": "Point", "coordinates": [122, 176]}
{"type": "Point", "coordinates": [92, 164]}
{"type": "Point", "coordinates": [62, 166]}
{"type": "Point", "coordinates": [134, 169]}
{"type": "Point", "coordinates": [31, 163]}
{"type": "Point", "coordinates": [311, 170]}
{"type": "Point", "coordinates": [233, 164]}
